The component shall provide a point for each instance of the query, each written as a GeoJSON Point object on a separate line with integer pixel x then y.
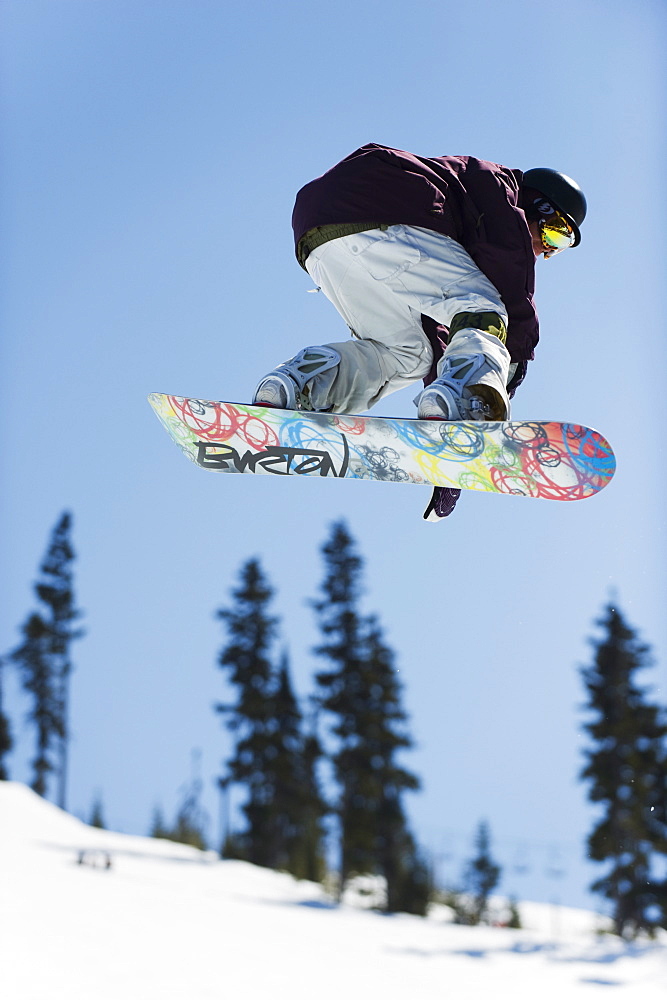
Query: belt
{"type": "Point", "coordinates": [322, 234]}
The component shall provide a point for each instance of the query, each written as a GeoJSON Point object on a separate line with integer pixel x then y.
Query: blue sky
{"type": "Point", "coordinates": [153, 152]}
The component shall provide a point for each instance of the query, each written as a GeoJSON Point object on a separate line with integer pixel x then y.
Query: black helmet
{"type": "Point", "coordinates": [565, 194]}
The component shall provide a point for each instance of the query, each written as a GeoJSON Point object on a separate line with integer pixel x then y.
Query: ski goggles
{"type": "Point", "coordinates": [556, 232]}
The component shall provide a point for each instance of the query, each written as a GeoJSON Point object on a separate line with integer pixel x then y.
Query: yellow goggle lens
{"type": "Point", "coordinates": [557, 234]}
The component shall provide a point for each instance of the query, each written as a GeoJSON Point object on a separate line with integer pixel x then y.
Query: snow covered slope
{"type": "Point", "coordinates": [165, 922]}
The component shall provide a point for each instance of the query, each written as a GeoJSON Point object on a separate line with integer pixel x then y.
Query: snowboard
{"type": "Point", "coordinates": [531, 458]}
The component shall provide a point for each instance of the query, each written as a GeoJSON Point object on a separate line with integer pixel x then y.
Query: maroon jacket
{"type": "Point", "coordinates": [475, 202]}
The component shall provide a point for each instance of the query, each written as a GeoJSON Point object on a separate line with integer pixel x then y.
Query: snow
{"type": "Point", "coordinates": [167, 922]}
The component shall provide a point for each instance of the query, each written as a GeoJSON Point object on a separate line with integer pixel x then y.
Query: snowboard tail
{"type": "Point", "coordinates": [532, 458]}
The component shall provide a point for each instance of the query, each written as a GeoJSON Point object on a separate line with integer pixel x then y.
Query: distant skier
{"type": "Point", "coordinates": [431, 263]}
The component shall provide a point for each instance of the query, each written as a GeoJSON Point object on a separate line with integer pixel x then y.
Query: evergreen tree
{"type": "Point", "coordinates": [191, 819]}
{"type": "Point", "coordinates": [361, 691]}
{"type": "Point", "coordinates": [341, 688]}
{"type": "Point", "coordinates": [43, 658]}
{"type": "Point", "coordinates": [97, 814]}
{"type": "Point", "coordinates": [187, 829]}
{"type": "Point", "coordinates": [6, 742]}
{"type": "Point", "coordinates": [272, 760]}
{"type": "Point", "coordinates": [514, 915]}
{"type": "Point", "coordinates": [480, 878]}
{"type": "Point", "coordinates": [55, 589]}
{"type": "Point", "coordinates": [298, 807]}
{"type": "Point", "coordinates": [398, 858]}
{"type": "Point", "coordinates": [247, 657]}
{"type": "Point", "coordinates": [189, 826]}
{"type": "Point", "coordinates": [34, 661]}
{"type": "Point", "coordinates": [627, 774]}
{"type": "Point", "coordinates": [158, 828]}
{"type": "Point", "coordinates": [310, 861]}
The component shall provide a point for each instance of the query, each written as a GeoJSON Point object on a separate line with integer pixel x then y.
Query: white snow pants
{"type": "Point", "coordinates": [381, 281]}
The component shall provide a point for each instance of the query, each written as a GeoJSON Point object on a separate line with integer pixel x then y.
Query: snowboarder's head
{"type": "Point", "coordinates": [555, 207]}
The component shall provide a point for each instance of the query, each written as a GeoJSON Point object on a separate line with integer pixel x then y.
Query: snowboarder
{"type": "Point", "coordinates": [430, 261]}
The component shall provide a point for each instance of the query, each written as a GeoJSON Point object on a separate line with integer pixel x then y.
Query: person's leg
{"type": "Point", "coordinates": [473, 374]}
{"type": "Point", "coordinates": [381, 282]}
{"type": "Point", "coordinates": [388, 349]}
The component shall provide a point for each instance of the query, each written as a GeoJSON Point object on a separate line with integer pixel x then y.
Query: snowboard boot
{"type": "Point", "coordinates": [471, 382]}
{"type": "Point", "coordinates": [287, 388]}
